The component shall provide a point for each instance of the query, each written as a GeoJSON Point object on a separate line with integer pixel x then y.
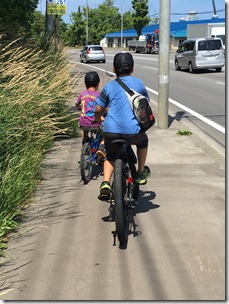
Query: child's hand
{"type": "Point", "coordinates": [78, 106]}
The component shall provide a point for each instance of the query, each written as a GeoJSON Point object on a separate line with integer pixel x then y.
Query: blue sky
{"type": "Point", "coordinates": [177, 6]}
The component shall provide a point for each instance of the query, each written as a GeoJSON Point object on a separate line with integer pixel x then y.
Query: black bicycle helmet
{"type": "Point", "coordinates": [91, 79]}
{"type": "Point", "coordinates": [123, 63]}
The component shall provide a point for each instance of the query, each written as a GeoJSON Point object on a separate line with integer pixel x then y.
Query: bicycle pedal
{"type": "Point", "coordinates": [104, 197]}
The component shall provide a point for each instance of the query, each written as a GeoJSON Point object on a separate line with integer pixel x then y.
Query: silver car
{"type": "Point", "coordinates": [200, 53]}
{"type": "Point", "coordinates": [92, 53]}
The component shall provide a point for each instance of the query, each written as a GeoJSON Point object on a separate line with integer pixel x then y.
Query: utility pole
{"type": "Point", "coordinates": [56, 32]}
{"type": "Point", "coordinates": [49, 23]}
{"type": "Point", "coordinates": [121, 30]}
{"type": "Point", "coordinates": [214, 9]}
{"type": "Point", "coordinates": [164, 52]}
{"type": "Point", "coordinates": [86, 21]}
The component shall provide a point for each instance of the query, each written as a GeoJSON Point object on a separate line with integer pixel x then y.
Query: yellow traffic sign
{"type": "Point", "coordinates": [56, 7]}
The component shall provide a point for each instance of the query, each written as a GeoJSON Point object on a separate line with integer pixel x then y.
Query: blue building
{"type": "Point", "coordinates": [178, 33]}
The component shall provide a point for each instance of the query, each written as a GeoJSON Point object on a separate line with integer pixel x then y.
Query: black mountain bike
{"type": "Point", "coordinates": [124, 192]}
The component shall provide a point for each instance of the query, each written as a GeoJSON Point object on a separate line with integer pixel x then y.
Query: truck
{"type": "Point", "coordinates": [206, 30]}
{"type": "Point", "coordinates": [145, 44]}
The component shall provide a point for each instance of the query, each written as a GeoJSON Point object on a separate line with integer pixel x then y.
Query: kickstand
{"type": "Point", "coordinates": [114, 234]}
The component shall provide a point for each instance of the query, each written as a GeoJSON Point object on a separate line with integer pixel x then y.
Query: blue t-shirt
{"type": "Point", "coordinates": [120, 118]}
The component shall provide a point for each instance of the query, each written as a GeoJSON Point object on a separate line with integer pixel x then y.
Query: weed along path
{"type": "Point", "coordinates": [64, 248]}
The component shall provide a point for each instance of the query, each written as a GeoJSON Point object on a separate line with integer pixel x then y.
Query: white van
{"type": "Point", "coordinates": [200, 53]}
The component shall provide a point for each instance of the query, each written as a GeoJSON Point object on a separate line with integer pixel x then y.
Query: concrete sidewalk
{"type": "Point", "coordinates": [179, 256]}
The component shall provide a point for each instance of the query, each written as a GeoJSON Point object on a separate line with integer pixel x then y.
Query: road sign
{"type": "Point", "coordinates": [56, 7]}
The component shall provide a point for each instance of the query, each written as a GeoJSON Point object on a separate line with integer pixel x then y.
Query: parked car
{"type": "Point", "coordinates": [200, 53]}
{"type": "Point", "coordinates": [92, 53]}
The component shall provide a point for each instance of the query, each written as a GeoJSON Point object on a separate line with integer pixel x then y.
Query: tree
{"type": "Point", "coordinates": [19, 11]}
{"type": "Point", "coordinates": [76, 32]}
{"type": "Point", "coordinates": [103, 20]}
{"type": "Point", "coordinates": [38, 26]}
{"type": "Point", "coordinates": [140, 18]}
{"type": "Point", "coordinates": [155, 20]}
{"type": "Point", "coordinates": [17, 15]}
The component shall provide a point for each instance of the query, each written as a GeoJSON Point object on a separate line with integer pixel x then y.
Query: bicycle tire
{"type": "Point", "coordinates": [86, 163]}
{"type": "Point", "coordinates": [122, 228]}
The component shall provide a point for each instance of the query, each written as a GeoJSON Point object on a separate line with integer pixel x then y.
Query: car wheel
{"type": "Point", "coordinates": [218, 69]}
{"type": "Point", "coordinates": [190, 67]}
{"type": "Point", "coordinates": [104, 61]}
{"type": "Point", "coordinates": [177, 68]}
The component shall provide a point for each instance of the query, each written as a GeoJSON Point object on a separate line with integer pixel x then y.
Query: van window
{"type": "Point", "coordinates": [183, 47]}
{"type": "Point", "coordinates": [191, 47]}
{"type": "Point", "coordinates": [209, 45]}
{"type": "Point", "coordinates": [186, 46]}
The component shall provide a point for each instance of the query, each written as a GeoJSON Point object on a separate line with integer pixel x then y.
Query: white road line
{"type": "Point", "coordinates": [146, 67]}
{"type": "Point", "coordinates": [220, 82]}
{"type": "Point", "coordinates": [179, 105]}
{"type": "Point", "coordinates": [190, 111]}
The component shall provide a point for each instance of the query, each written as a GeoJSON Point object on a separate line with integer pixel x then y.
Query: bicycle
{"type": "Point", "coordinates": [88, 156]}
{"type": "Point", "coordinates": [125, 192]}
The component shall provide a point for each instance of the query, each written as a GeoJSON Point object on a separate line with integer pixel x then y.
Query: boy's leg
{"type": "Point", "coordinates": [108, 170]}
{"type": "Point", "coordinates": [141, 154]}
{"type": "Point", "coordinates": [143, 171]}
{"type": "Point", "coordinates": [105, 187]}
{"type": "Point", "coordinates": [101, 151]}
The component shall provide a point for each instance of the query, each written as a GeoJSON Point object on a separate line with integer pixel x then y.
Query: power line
{"type": "Point", "coordinates": [209, 12]}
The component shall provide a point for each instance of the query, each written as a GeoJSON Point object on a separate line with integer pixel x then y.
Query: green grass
{"type": "Point", "coordinates": [184, 132]}
{"type": "Point", "coordinates": [34, 90]}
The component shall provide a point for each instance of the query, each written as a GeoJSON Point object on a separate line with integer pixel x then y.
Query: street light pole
{"type": "Point", "coordinates": [86, 21]}
{"type": "Point", "coordinates": [121, 30]}
{"type": "Point", "coordinates": [163, 77]}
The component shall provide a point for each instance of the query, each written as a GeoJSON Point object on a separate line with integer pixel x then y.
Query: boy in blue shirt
{"type": "Point", "coordinates": [120, 121]}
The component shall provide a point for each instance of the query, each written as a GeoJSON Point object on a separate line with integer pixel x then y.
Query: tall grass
{"type": "Point", "coordinates": [34, 89]}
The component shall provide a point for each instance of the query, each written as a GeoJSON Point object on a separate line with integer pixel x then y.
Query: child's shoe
{"type": "Point", "coordinates": [105, 190]}
{"type": "Point", "coordinates": [141, 177]}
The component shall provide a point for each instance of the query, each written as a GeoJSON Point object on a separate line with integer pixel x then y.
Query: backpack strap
{"type": "Point", "coordinates": [125, 87]}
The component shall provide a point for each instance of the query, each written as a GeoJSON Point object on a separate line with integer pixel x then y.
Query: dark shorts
{"type": "Point", "coordinates": [140, 140]}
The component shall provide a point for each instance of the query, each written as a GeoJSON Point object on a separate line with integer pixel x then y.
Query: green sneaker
{"type": "Point", "coordinates": [105, 190]}
{"type": "Point", "coordinates": [141, 177]}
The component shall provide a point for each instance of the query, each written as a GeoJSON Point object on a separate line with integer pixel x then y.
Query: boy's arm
{"type": "Point", "coordinates": [78, 103]}
{"type": "Point", "coordinates": [99, 113]}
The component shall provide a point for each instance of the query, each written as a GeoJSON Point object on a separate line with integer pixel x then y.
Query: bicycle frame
{"type": "Point", "coordinates": [93, 138]}
{"type": "Point", "coordinates": [88, 156]}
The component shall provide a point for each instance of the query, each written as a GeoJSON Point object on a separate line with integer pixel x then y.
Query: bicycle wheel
{"type": "Point", "coordinates": [86, 163]}
{"type": "Point", "coordinates": [119, 205]}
